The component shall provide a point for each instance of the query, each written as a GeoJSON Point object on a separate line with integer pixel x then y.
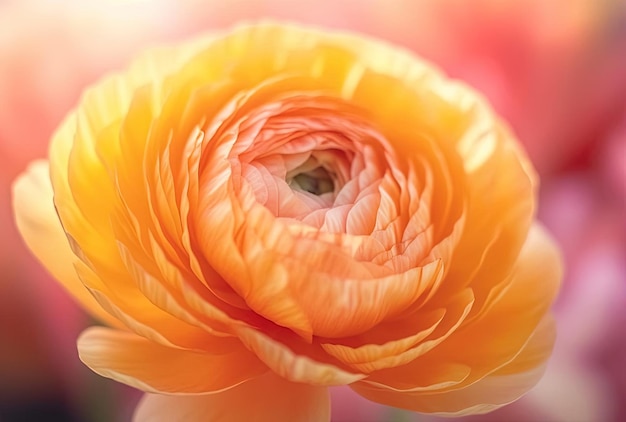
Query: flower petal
{"type": "Point", "coordinates": [41, 229]}
{"type": "Point", "coordinates": [509, 345]}
{"type": "Point", "coordinates": [496, 337]}
{"type": "Point", "coordinates": [264, 399]}
{"type": "Point", "coordinates": [148, 366]}
{"type": "Point", "coordinates": [499, 332]}
{"type": "Point", "coordinates": [497, 389]}
{"type": "Point", "coordinates": [292, 365]}
{"type": "Point", "coordinates": [396, 353]}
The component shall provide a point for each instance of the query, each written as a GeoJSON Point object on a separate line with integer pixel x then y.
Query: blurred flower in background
{"type": "Point", "coordinates": [556, 69]}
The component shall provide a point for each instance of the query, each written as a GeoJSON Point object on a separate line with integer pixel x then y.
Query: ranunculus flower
{"type": "Point", "coordinates": [264, 214]}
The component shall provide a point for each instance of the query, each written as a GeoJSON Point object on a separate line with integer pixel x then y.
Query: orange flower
{"type": "Point", "coordinates": [264, 214]}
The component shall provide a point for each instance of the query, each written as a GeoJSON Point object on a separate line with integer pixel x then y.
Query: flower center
{"type": "Point", "coordinates": [317, 181]}
{"type": "Point", "coordinates": [312, 176]}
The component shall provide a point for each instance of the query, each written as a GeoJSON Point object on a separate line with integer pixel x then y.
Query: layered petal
{"type": "Point", "coordinates": [41, 229]}
{"type": "Point", "coordinates": [512, 337]}
{"type": "Point", "coordinates": [148, 366]}
{"type": "Point", "coordinates": [495, 390]}
{"type": "Point", "coordinates": [297, 367]}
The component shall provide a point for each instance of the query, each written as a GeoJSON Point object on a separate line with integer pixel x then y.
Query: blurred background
{"type": "Point", "coordinates": [555, 69]}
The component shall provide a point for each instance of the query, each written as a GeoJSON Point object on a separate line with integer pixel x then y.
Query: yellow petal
{"type": "Point", "coordinates": [264, 399]}
{"type": "Point", "coordinates": [86, 150]}
{"type": "Point", "coordinates": [148, 366]}
{"type": "Point", "coordinates": [41, 229]}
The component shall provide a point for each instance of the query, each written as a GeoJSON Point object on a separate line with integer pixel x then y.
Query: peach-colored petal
{"type": "Point", "coordinates": [153, 323]}
{"type": "Point", "coordinates": [148, 366]}
{"type": "Point", "coordinates": [485, 395]}
{"type": "Point", "coordinates": [289, 364]}
{"type": "Point", "coordinates": [41, 229]}
{"type": "Point", "coordinates": [264, 399]}
{"type": "Point", "coordinates": [365, 355]}
{"type": "Point", "coordinates": [516, 312]}
{"type": "Point", "coordinates": [88, 157]}
{"type": "Point", "coordinates": [374, 357]}
{"type": "Point", "coordinates": [495, 177]}
{"type": "Point", "coordinates": [497, 335]}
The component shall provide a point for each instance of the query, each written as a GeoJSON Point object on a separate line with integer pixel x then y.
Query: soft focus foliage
{"type": "Point", "coordinates": [560, 82]}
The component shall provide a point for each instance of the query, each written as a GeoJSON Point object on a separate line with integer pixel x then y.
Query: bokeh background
{"type": "Point", "coordinates": [555, 69]}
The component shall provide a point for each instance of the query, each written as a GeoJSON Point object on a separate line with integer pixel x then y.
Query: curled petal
{"type": "Point", "coordinates": [485, 395]}
{"type": "Point", "coordinates": [148, 366]}
{"type": "Point", "coordinates": [509, 345]}
{"type": "Point", "coordinates": [439, 325]}
{"type": "Point", "coordinates": [292, 366]}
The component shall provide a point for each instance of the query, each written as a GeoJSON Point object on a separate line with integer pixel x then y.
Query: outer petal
{"type": "Point", "coordinates": [504, 326]}
{"type": "Point", "coordinates": [491, 392]}
{"type": "Point", "coordinates": [143, 364]}
{"type": "Point", "coordinates": [508, 346]}
{"type": "Point", "coordinates": [292, 365]}
{"type": "Point", "coordinates": [265, 399]}
{"type": "Point", "coordinates": [41, 229]}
